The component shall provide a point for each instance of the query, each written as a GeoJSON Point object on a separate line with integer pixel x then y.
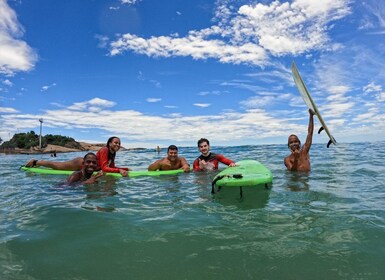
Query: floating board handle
{"type": "Point", "coordinates": [235, 176]}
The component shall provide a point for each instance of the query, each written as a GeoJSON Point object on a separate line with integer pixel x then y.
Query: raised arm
{"type": "Point", "coordinates": [309, 138]}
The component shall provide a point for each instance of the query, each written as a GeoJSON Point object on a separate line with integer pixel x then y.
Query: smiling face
{"type": "Point", "coordinates": [172, 155]}
{"type": "Point", "coordinates": [114, 145]}
{"type": "Point", "coordinates": [204, 148]}
{"type": "Point", "coordinates": [90, 163]}
{"type": "Point", "coordinates": [293, 143]}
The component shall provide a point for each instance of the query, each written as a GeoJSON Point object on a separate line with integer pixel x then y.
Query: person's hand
{"type": "Point", "coordinates": [94, 178]}
{"type": "Point", "coordinates": [232, 164]}
{"type": "Point", "coordinates": [186, 168]}
{"type": "Point", "coordinates": [99, 174]}
{"type": "Point", "coordinates": [311, 112]}
{"type": "Point", "coordinates": [123, 172]}
{"type": "Point", "coordinates": [203, 165]}
{"type": "Point", "coordinates": [296, 154]}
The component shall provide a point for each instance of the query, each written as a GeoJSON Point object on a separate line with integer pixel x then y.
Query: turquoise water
{"type": "Point", "coordinates": [328, 224]}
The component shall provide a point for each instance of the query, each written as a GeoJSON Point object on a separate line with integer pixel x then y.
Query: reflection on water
{"type": "Point", "coordinates": [328, 223]}
{"type": "Point", "coordinates": [243, 197]}
{"type": "Point", "coordinates": [297, 181]}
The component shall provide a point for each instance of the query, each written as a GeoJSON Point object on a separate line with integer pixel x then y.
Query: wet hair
{"type": "Point", "coordinates": [172, 147]}
{"type": "Point", "coordinates": [89, 154]}
{"type": "Point", "coordinates": [200, 141]}
{"type": "Point", "coordinates": [291, 136]}
{"type": "Point", "coordinates": [111, 156]}
{"type": "Point", "coordinates": [110, 140]}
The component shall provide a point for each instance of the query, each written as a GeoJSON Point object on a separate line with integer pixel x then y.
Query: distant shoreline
{"type": "Point", "coordinates": [52, 149]}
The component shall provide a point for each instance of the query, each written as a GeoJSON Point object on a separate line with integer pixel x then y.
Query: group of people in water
{"type": "Point", "coordinates": [104, 160]}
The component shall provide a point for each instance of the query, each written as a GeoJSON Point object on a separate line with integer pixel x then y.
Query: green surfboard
{"type": "Point", "coordinates": [248, 174]}
{"type": "Point", "coordinates": [131, 174]}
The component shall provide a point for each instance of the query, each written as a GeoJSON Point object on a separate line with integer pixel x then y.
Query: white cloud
{"type": "Point", "coordinates": [257, 102]}
{"type": "Point", "coordinates": [372, 87]}
{"type": "Point", "coordinates": [7, 83]}
{"type": "Point", "coordinates": [202, 105]}
{"type": "Point", "coordinates": [377, 10]}
{"type": "Point", "coordinates": [15, 55]}
{"type": "Point", "coordinates": [103, 40]}
{"type": "Point", "coordinates": [381, 96]}
{"type": "Point", "coordinates": [153, 100]}
{"type": "Point", "coordinates": [96, 104]}
{"type": "Point", "coordinates": [248, 36]}
{"type": "Point", "coordinates": [376, 89]}
{"type": "Point", "coordinates": [251, 126]}
{"type": "Point", "coordinates": [45, 88]}
{"type": "Point", "coordinates": [7, 110]}
{"type": "Point", "coordinates": [129, 2]}
{"type": "Point", "coordinates": [214, 92]}
{"type": "Point", "coordinates": [156, 83]}
{"type": "Point", "coordinates": [193, 45]}
{"type": "Point", "coordinates": [339, 90]}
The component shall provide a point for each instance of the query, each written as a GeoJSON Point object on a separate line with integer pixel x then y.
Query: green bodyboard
{"type": "Point", "coordinates": [131, 174]}
{"type": "Point", "coordinates": [247, 173]}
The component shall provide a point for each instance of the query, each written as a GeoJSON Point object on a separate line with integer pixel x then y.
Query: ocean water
{"type": "Point", "coordinates": [326, 224]}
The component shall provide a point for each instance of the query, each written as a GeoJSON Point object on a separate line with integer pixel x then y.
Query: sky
{"type": "Point", "coordinates": [162, 72]}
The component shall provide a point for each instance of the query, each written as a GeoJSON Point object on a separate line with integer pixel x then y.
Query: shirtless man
{"type": "Point", "coordinates": [170, 162]}
{"type": "Point", "coordinates": [86, 174]}
{"type": "Point", "coordinates": [299, 159]}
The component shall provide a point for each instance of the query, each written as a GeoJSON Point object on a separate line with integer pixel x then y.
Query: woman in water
{"type": "Point", "coordinates": [105, 157]}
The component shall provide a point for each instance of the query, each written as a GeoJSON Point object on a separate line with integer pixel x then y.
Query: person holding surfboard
{"type": "Point", "coordinates": [208, 160]}
{"type": "Point", "coordinates": [171, 162]}
{"type": "Point", "coordinates": [299, 159]}
{"type": "Point", "coordinates": [105, 156]}
{"type": "Point", "coordinates": [86, 175]}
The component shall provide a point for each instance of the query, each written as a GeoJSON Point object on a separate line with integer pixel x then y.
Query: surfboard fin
{"type": "Point", "coordinates": [320, 129]}
{"type": "Point", "coordinates": [331, 141]}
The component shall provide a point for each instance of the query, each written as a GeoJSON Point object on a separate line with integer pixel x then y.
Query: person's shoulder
{"type": "Point", "coordinates": [75, 176]}
{"type": "Point", "coordinates": [102, 150]}
{"type": "Point", "coordinates": [160, 161]}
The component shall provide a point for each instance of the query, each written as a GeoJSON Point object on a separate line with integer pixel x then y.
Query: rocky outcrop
{"type": "Point", "coordinates": [52, 149]}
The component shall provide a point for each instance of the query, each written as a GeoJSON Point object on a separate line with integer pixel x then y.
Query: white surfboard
{"type": "Point", "coordinates": [310, 103]}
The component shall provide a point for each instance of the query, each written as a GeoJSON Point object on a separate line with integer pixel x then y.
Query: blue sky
{"type": "Point", "coordinates": [167, 72]}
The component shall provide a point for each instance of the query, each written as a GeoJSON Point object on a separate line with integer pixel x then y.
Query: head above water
{"type": "Point", "coordinates": [293, 139]}
{"type": "Point", "coordinates": [109, 141]}
{"type": "Point", "coordinates": [203, 140]}
{"type": "Point", "coordinates": [172, 147]}
{"type": "Point", "coordinates": [90, 162]}
{"type": "Point", "coordinates": [89, 155]}
{"type": "Point", "coordinates": [113, 145]}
